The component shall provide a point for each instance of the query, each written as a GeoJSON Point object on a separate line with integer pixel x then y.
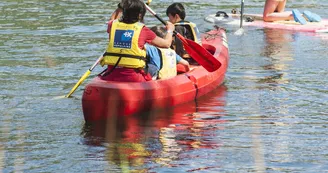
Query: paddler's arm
{"type": "Point", "coordinates": [117, 13]}
{"type": "Point", "coordinates": [183, 62]}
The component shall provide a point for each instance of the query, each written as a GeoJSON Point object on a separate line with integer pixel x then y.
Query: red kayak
{"type": "Point", "coordinates": [102, 99]}
{"type": "Point", "coordinates": [184, 117]}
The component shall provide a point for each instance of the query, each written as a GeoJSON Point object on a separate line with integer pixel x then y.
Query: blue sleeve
{"type": "Point", "coordinates": [178, 58]}
{"type": "Point", "coordinates": [153, 54]}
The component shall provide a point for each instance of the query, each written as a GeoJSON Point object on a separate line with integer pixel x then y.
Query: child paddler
{"type": "Point", "coordinates": [126, 54]}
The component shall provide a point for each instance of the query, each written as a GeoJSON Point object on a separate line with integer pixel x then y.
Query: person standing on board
{"type": "Point", "coordinates": [274, 10]}
{"type": "Point", "coordinates": [126, 54]}
{"type": "Point", "coordinates": [176, 13]}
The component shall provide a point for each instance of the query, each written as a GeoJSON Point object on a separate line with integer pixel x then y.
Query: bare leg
{"type": "Point", "coordinates": [274, 10]}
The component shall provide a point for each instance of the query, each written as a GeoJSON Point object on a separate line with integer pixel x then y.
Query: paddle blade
{"type": "Point", "coordinates": [200, 54]}
{"type": "Point", "coordinates": [58, 97]}
{"type": "Point", "coordinates": [86, 74]}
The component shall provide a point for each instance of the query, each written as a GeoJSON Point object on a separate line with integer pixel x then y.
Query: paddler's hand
{"type": "Point", "coordinates": [170, 27]}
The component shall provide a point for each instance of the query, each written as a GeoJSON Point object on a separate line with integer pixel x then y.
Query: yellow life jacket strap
{"type": "Point", "coordinates": [125, 55]}
{"type": "Point", "coordinates": [192, 28]}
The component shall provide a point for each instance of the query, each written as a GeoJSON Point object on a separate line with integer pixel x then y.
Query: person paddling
{"type": "Point", "coordinates": [176, 13]}
{"type": "Point", "coordinates": [126, 54]}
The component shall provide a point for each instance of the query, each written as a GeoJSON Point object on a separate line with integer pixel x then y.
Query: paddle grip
{"type": "Point", "coordinates": [160, 19]}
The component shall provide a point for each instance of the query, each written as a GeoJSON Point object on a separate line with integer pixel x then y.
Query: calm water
{"type": "Point", "coordinates": [269, 116]}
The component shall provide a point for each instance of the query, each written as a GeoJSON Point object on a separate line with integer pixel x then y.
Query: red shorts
{"type": "Point", "coordinates": [126, 75]}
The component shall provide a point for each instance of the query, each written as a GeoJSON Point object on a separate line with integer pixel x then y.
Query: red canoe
{"type": "Point", "coordinates": [102, 99]}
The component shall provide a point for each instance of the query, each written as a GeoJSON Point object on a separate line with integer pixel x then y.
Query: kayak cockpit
{"type": "Point", "coordinates": [210, 48]}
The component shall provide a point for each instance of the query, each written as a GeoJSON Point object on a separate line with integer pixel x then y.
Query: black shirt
{"type": "Point", "coordinates": [177, 44]}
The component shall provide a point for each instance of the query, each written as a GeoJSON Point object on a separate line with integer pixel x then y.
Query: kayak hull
{"type": "Point", "coordinates": [102, 99]}
{"type": "Point", "coordinates": [234, 20]}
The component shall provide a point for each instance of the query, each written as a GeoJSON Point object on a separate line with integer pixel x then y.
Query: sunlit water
{"type": "Point", "coordinates": [269, 116]}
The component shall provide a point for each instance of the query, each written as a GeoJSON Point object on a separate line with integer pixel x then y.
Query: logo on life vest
{"type": "Point", "coordinates": [123, 39]}
{"type": "Point", "coordinates": [169, 53]}
{"type": "Point", "coordinates": [170, 59]}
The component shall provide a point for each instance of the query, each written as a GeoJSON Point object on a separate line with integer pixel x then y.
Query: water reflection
{"type": "Point", "coordinates": [158, 138]}
{"type": "Point", "coordinates": [279, 52]}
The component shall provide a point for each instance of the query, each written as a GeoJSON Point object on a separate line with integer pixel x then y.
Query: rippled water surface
{"type": "Point", "coordinates": [269, 116]}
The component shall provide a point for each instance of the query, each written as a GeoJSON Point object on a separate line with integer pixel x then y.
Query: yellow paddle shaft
{"type": "Point", "coordinates": [86, 74]}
